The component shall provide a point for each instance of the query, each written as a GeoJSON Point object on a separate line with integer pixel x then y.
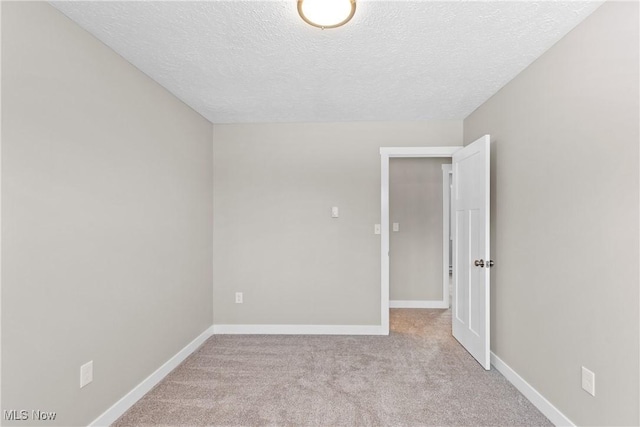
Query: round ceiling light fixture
{"type": "Point", "coordinates": [326, 13]}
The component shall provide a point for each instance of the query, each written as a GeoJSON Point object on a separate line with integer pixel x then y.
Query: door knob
{"type": "Point", "coordinates": [479, 263]}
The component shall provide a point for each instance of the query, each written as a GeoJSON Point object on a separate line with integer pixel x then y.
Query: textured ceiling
{"type": "Point", "coordinates": [257, 61]}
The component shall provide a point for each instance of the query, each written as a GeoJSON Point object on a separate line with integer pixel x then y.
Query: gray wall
{"type": "Point", "coordinates": [415, 202]}
{"type": "Point", "coordinates": [274, 186]}
{"type": "Point", "coordinates": [106, 219]}
{"type": "Point", "coordinates": [565, 218]}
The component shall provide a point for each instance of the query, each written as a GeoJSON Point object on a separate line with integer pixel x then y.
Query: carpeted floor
{"type": "Point", "coordinates": [418, 375]}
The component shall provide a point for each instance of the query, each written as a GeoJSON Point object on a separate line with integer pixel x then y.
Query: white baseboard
{"type": "Point", "coordinates": [418, 304]}
{"type": "Point", "coordinates": [538, 400]}
{"type": "Point", "coordinates": [298, 330]}
{"type": "Point", "coordinates": [122, 405]}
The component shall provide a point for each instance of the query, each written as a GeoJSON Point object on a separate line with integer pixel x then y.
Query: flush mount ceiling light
{"type": "Point", "coordinates": [326, 13]}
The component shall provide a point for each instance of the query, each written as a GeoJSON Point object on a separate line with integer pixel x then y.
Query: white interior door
{"type": "Point", "coordinates": [470, 218]}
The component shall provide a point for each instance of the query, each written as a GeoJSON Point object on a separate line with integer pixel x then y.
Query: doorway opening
{"type": "Point", "coordinates": [386, 153]}
{"type": "Point", "coordinates": [420, 235]}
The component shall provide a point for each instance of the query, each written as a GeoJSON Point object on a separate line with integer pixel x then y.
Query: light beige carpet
{"type": "Point", "coordinates": [418, 375]}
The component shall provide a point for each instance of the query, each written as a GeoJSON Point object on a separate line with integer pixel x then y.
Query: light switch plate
{"type": "Point", "coordinates": [86, 373]}
{"type": "Point", "coordinates": [396, 226]}
{"type": "Point", "coordinates": [376, 229]}
{"type": "Point", "coordinates": [334, 212]}
{"type": "Point", "coordinates": [588, 381]}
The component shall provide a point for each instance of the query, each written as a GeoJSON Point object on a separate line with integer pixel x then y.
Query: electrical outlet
{"type": "Point", "coordinates": [238, 297]}
{"type": "Point", "coordinates": [376, 229]}
{"type": "Point", "coordinates": [588, 381]}
{"type": "Point", "coordinates": [396, 226]}
{"type": "Point", "coordinates": [86, 373]}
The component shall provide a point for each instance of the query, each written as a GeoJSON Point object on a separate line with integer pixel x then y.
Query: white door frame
{"type": "Point", "coordinates": [385, 154]}
{"type": "Point", "coordinates": [447, 170]}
